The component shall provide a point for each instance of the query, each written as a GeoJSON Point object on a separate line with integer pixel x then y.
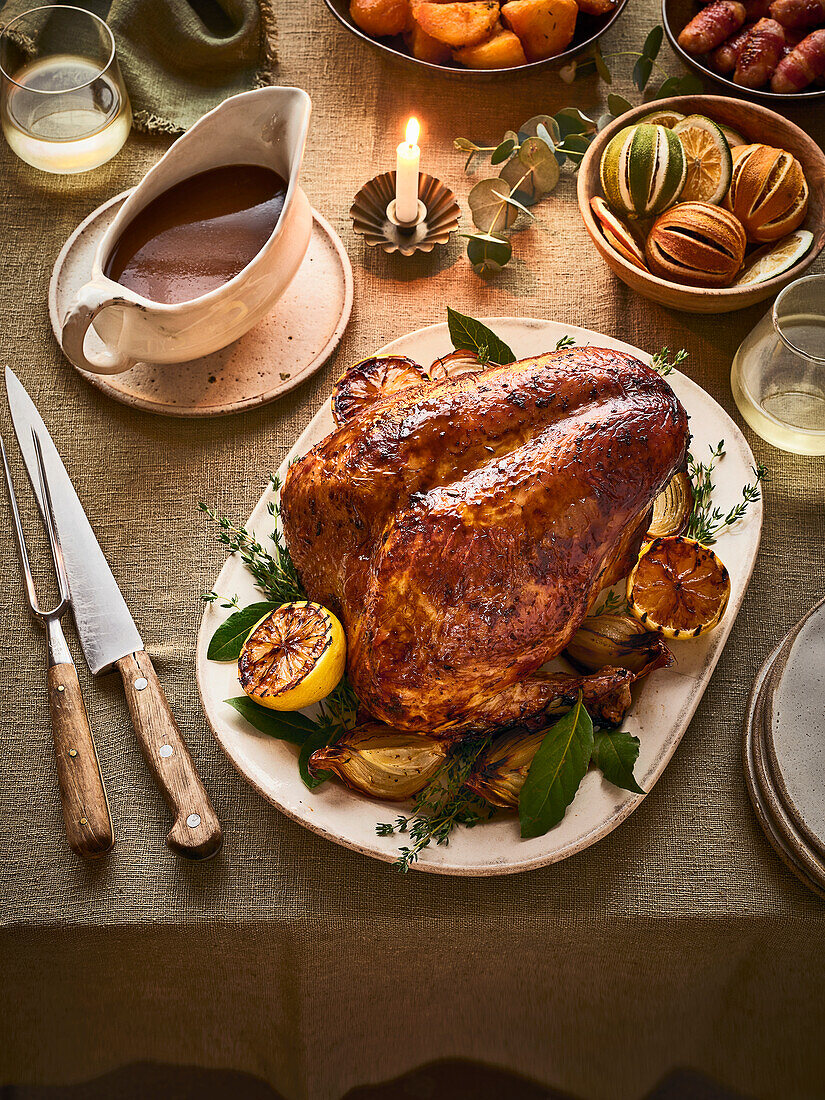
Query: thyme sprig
{"type": "Point", "coordinates": [444, 803]}
{"type": "Point", "coordinates": [664, 364]}
{"type": "Point", "coordinates": [273, 571]}
{"type": "Point", "coordinates": [706, 521]}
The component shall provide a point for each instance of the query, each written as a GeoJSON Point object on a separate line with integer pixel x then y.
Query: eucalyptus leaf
{"type": "Point", "coordinates": [556, 772]}
{"type": "Point", "coordinates": [668, 87]}
{"type": "Point", "coordinates": [601, 66]}
{"type": "Point", "coordinates": [488, 253]}
{"type": "Point", "coordinates": [576, 143]}
{"type": "Point", "coordinates": [488, 205]}
{"type": "Point", "coordinates": [568, 72]}
{"type": "Point", "coordinates": [641, 72]}
{"type": "Point", "coordinates": [573, 121]}
{"type": "Point", "coordinates": [653, 43]}
{"type": "Point", "coordinates": [227, 641]}
{"type": "Point", "coordinates": [465, 145]}
{"type": "Point", "coordinates": [603, 121]}
{"type": "Point", "coordinates": [543, 135]}
{"type": "Point", "coordinates": [503, 151]}
{"type": "Point", "coordinates": [544, 168]}
{"type": "Point", "coordinates": [468, 334]}
{"type": "Point", "coordinates": [617, 104]}
{"type": "Point", "coordinates": [531, 127]}
{"type": "Point", "coordinates": [520, 180]}
{"type": "Point", "coordinates": [691, 84]}
{"type": "Point", "coordinates": [289, 725]}
{"type": "Point", "coordinates": [615, 753]}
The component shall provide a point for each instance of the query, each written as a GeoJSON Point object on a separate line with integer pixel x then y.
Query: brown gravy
{"type": "Point", "coordinates": [200, 233]}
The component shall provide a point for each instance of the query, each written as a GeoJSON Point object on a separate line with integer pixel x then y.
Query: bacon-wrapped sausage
{"type": "Point", "coordinates": [724, 57]}
{"type": "Point", "coordinates": [760, 54]}
{"type": "Point", "coordinates": [712, 26]}
{"type": "Point", "coordinates": [798, 14]}
{"type": "Point", "coordinates": [804, 64]}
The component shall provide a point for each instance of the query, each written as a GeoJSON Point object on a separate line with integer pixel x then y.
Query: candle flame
{"type": "Point", "coordinates": [413, 130]}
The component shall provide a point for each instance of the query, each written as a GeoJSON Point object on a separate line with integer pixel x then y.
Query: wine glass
{"type": "Point", "coordinates": [778, 373]}
{"type": "Point", "coordinates": [63, 103]}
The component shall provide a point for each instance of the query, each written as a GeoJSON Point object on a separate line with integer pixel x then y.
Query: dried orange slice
{"type": "Point", "coordinates": [370, 379]}
{"type": "Point", "coordinates": [679, 587]}
{"type": "Point", "coordinates": [293, 657]}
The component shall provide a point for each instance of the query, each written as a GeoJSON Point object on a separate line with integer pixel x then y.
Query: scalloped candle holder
{"type": "Point", "coordinates": [372, 214]}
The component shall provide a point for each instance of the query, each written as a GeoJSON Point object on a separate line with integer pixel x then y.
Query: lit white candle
{"type": "Point", "coordinates": [406, 175]}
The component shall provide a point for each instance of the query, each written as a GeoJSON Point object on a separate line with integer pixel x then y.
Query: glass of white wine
{"type": "Point", "coordinates": [778, 374]}
{"type": "Point", "coordinates": [63, 103]}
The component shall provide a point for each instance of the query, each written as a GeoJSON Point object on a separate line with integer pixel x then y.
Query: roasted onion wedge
{"type": "Point", "coordinates": [382, 762]}
{"type": "Point", "coordinates": [457, 363]}
{"type": "Point", "coordinates": [672, 508]}
{"type": "Point", "coordinates": [500, 771]}
{"type": "Point", "coordinates": [365, 382]}
{"type": "Point", "coordinates": [619, 641]}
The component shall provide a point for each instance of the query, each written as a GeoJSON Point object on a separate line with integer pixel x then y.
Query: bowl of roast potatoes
{"type": "Point", "coordinates": [479, 37]}
{"type": "Point", "coordinates": [767, 49]}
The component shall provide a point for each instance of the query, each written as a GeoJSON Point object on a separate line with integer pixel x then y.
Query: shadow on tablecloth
{"type": "Point", "coordinates": [449, 1080]}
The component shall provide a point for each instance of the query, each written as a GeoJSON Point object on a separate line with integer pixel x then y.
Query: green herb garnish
{"type": "Point", "coordinates": [467, 334]}
{"type": "Point", "coordinates": [556, 772]}
{"type": "Point", "coordinates": [615, 753]}
{"type": "Point", "coordinates": [227, 641]}
{"type": "Point", "coordinates": [707, 521]}
{"type": "Point", "coordinates": [444, 803]}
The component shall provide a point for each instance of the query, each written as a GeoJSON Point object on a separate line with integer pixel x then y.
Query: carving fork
{"type": "Point", "coordinates": [83, 796]}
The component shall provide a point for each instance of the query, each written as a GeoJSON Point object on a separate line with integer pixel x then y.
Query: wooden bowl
{"type": "Point", "coordinates": [755, 123]}
{"type": "Point", "coordinates": [676, 14]}
{"type": "Point", "coordinates": [589, 28]}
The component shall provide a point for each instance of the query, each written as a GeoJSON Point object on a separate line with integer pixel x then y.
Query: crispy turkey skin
{"type": "Point", "coordinates": [461, 529]}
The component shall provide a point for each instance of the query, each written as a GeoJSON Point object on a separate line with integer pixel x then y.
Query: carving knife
{"type": "Point", "coordinates": [110, 639]}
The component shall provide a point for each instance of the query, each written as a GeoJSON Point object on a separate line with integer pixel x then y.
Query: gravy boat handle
{"type": "Point", "coordinates": [91, 299]}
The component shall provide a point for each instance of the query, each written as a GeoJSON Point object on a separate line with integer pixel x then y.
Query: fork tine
{"type": "Point", "coordinates": [51, 527]}
{"type": "Point", "coordinates": [28, 580]}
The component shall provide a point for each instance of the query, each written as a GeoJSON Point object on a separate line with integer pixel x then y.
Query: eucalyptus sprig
{"type": "Point", "coordinates": [643, 68]}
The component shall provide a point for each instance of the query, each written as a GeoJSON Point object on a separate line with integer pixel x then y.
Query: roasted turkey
{"type": "Point", "coordinates": [461, 529]}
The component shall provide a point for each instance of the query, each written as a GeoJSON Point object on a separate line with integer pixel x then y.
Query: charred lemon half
{"type": "Point", "coordinates": [294, 657]}
{"type": "Point", "coordinates": [370, 379]}
{"type": "Point", "coordinates": [679, 587]}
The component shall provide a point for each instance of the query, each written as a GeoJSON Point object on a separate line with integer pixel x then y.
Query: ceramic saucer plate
{"type": "Point", "coordinates": [769, 801]}
{"type": "Point", "coordinates": [291, 343]}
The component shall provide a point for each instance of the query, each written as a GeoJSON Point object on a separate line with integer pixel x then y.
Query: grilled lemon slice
{"type": "Point", "coordinates": [294, 657]}
{"type": "Point", "coordinates": [678, 587]}
{"type": "Point", "coordinates": [370, 379]}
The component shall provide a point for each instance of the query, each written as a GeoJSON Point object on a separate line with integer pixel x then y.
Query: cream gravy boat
{"type": "Point", "coordinates": [266, 127]}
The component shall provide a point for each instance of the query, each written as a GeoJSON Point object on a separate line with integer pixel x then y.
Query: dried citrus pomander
{"type": "Point", "coordinates": [364, 382]}
{"type": "Point", "coordinates": [678, 587]}
{"type": "Point", "coordinates": [293, 657]}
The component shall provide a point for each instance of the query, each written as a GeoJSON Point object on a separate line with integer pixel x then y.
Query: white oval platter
{"type": "Point", "coordinates": [663, 704]}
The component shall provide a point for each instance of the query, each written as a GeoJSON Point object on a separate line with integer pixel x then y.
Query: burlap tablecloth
{"type": "Point", "coordinates": [678, 940]}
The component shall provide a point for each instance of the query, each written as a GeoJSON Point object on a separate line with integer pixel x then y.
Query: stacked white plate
{"type": "Point", "coordinates": [784, 749]}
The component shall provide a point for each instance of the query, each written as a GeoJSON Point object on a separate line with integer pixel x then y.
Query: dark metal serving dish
{"type": "Point", "coordinates": [676, 14]}
{"type": "Point", "coordinates": [589, 28]}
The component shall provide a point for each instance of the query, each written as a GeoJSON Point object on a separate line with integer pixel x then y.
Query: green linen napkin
{"type": "Point", "coordinates": [181, 58]}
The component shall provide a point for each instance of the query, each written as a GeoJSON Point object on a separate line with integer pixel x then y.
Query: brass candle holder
{"type": "Point", "coordinates": [373, 215]}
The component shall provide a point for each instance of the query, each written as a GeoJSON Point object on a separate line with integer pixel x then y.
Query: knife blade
{"type": "Point", "coordinates": [109, 638]}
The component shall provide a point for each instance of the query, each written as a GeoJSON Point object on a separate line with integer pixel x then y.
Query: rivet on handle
{"type": "Point", "coordinates": [141, 683]}
{"type": "Point", "coordinates": [193, 821]}
{"type": "Point", "coordinates": [166, 750]}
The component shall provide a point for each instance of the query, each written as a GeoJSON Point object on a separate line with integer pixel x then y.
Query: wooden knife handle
{"type": "Point", "coordinates": [85, 806]}
{"type": "Point", "coordinates": [196, 833]}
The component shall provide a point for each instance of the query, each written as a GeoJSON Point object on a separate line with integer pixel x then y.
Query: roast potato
{"type": "Point", "coordinates": [459, 24]}
{"type": "Point", "coordinates": [501, 51]}
{"type": "Point", "coordinates": [381, 18]}
{"type": "Point", "coordinates": [545, 27]}
{"type": "Point", "coordinates": [425, 48]}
